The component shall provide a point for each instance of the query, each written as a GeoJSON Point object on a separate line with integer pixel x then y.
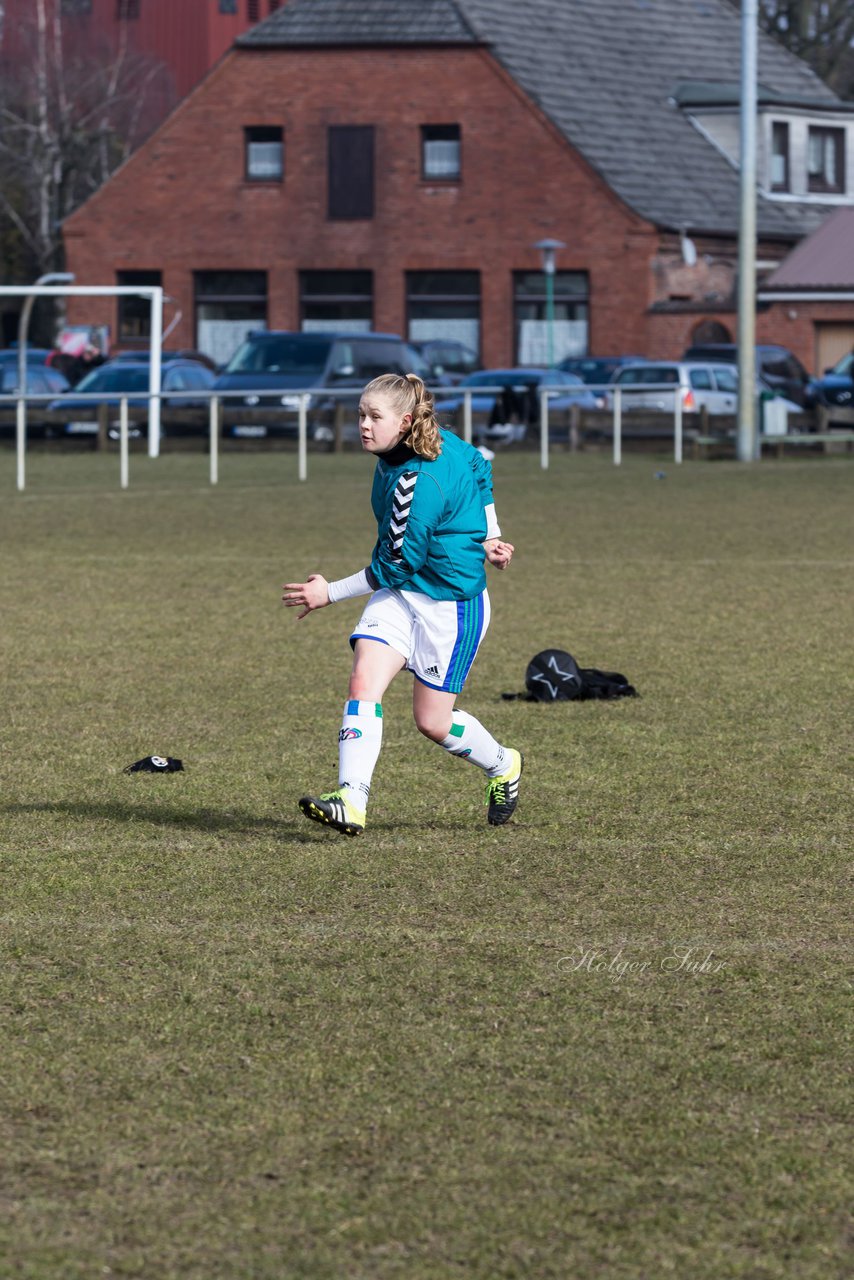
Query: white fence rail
{"type": "Point", "coordinates": [301, 399]}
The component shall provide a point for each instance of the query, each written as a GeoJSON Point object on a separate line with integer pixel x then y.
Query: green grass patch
{"type": "Point", "coordinates": [608, 1041]}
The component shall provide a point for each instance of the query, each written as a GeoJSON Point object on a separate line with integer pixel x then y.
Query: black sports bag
{"type": "Point", "coordinates": [554, 676]}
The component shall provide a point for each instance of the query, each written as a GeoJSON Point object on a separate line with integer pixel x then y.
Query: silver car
{"type": "Point", "coordinates": [713, 387]}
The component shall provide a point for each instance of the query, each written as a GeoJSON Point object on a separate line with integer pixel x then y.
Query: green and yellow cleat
{"type": "Point", "coordinates": [333, 809]}
{"type": "Point", "coordinates": [502, 793]}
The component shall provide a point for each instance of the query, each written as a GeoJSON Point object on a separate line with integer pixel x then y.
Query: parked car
{"type": "Point", "coordinates": [41, 381]}
{"type": "Point", "coordinates": [448, 361]}
{"type": "Point", "coordinates": [776, 365]}
{"type": "Point", "coordinates": [137, 357]}
{"type": "Point", "coordinates": [713, 387]}
{"type": "Point", "coordinates": [835, 389]}
{"type": "Point", "coordinates": [598, 371]}
{"type": "Point", "coordinates": [272, 366]}
{"type": "Point", "coordinates": [121, 378]}
{"type": "Point", "coordinates": [34, 355]}
{"type": "Point", "coordinates": [510, 412]}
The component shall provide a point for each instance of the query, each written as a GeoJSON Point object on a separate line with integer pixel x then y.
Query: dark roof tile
{"type": "Point", "coordinates": [359, 22]}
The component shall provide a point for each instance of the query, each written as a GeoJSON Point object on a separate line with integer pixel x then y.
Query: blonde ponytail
{"type": "Point", "coordinates": [409, 395]}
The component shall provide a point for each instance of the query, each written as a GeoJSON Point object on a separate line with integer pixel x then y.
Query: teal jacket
{"type": "Point", "coordinates": [431, 521]}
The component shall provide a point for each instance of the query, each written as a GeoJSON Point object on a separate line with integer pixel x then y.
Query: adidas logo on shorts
{"type": "Point", "coordinates": [432, 671]}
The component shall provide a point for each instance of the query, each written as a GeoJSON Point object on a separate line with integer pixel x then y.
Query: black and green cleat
{"type": "Point", "coordinates": [333, 809]}
{"type": "Point", "coordinates": [502, 793]}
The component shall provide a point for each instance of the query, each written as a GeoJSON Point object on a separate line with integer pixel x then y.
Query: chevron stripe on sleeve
{"type": "Point", "coordinates": [401, 505]}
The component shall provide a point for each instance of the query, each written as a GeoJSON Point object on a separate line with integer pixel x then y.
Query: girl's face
{"type": "Point", "coordinates": [380, 425]}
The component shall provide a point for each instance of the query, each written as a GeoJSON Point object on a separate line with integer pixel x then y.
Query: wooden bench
{"type": "Point", "coordinates": [825, 439]}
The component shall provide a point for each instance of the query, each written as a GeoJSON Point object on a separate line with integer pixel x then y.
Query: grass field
{"type": "Point", "coordinates": [607, 1042]}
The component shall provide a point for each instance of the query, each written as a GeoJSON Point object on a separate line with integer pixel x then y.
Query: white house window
{"type": "Point", "coordinates": [440, 152]}
{"type": "Point", "coordinates": [779, 156]}
{"type": "Point", "coordinates": [826, 160]}
{"type": "Point", "coordinates": [229, 305]}
{"type": "Point", "coordinates": [265, 153]}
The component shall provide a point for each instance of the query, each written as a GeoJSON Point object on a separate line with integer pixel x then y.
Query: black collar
{"type": "Point", "coordinates": [398, 453]}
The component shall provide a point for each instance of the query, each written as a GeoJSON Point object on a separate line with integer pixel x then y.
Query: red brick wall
{"type": "Point", "coordinates": [180, 204]}
{"type": "Point", "coordinates": [791, 324]}
{"type": "Point", "coordinates": [794, 325]}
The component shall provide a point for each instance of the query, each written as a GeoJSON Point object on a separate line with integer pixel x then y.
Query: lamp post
{"type": "Point", "coordinates": [747, 441]}
{"type": "Point", "coordinates": [52, 277]}
{"type": "Point", "coordinates": [548, 250]}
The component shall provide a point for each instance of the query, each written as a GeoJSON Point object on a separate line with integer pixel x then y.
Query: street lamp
{"type": "Point", "coordinates": [52, 277]}
{"type": "Point", "coordinates": [548, 250]}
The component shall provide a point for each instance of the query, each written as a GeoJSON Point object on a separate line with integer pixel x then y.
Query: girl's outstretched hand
{"type": "Point", "coordinates": [311, 594]}
{"type": "Point", "coordinates": [498, 553]}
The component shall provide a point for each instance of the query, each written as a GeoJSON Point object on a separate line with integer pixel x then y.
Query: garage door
{"type": "Point", "coordinates": [832, 342]}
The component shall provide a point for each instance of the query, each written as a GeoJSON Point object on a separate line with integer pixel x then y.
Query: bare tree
{"type": "Point", "coordinates": [819, 31]}
{"type": "Point", "coordinates": [69, 116]}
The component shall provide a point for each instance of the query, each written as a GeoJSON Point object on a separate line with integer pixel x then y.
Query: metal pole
{"type": "Point", "coordinates": [21, 438]}
{"type": "Point", "coordinates": [213, 422]}
{"type": "Point", "coordinates": [550, 312]}
{"type": "Point", "coordinates": [123, 442]}
{"type": "Point", "coordinates": [746, 443]}
{"type": "Point", "coordinates": [677, 426]}
{"type": "Point", "coordinates": [467, 416]}
{"type": "Point", "coordinates": [548, 249]}
{"type": "Point", "coordinates": [23, 328]}
{"type": "Point", "coordinates": [303, 436]}
{"type": "Point", "coordinates": [154, 372]}
{"type": "Point", "coordinates": [544, 428]}
{"type": "Point", "coordinates": [618, 425]}
{"type": "Point", "coordinates": [21, 407]}
{"type": "Point", "coordinates": [51, 277]}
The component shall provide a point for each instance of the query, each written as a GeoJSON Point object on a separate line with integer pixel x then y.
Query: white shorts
{"type": "Point", "coordinates": [438, 638]}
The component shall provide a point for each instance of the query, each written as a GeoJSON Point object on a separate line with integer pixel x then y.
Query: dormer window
{"type": "Point", "coordinates": [826, 160]}
{"type": "Point", "coordinates": [780, 156]}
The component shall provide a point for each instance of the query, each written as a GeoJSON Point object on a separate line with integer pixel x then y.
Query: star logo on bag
{"type": "Point", "coordinates": [568, 676]}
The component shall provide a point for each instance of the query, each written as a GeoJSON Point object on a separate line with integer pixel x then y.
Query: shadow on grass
{"type": "Point", "coordinates": [201, 820]}
{"type": "Point", "coordinates": [212, 820]}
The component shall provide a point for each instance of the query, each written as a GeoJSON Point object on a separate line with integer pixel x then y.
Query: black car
{"type": "Point", "coordinates": [271, 368]}
{"type": "Point", "coordinates": [777, 366]}
{"type": "Point", "coordinates": [117, 379]}
{"type": "Point", "coordinates": [835, 389]}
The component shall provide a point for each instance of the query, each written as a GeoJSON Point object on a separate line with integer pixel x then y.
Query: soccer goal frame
{"type": "Point", "coordinates": [154, 293]}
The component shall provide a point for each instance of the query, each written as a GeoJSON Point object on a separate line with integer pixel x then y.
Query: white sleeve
{"type": "Point", "coordinates": [492, 529]}
{"type": "Point", "coordinates": [357, 584]}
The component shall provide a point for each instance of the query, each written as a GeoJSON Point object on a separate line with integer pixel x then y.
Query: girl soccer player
{"type": "Point", "coordinates": [429, 608]}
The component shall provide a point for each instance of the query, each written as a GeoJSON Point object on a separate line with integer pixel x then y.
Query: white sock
{"type": "Point", "coordinates": [359, 745]}
{"type": "Point", "coordinates": [471, 741]}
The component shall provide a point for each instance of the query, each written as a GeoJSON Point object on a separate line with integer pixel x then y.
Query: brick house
{"type": "Point", "coordinates": [392, 166]}
{"type": "Point", "coordinates": [814, 287]}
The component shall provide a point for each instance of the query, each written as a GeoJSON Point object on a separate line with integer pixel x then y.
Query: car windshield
{"type": "Point", "coordinates": [650, 374]}
{"type": "Point", "coordinates": [844, 365]}
{"type": "Point", "coordinates": [591, 371]}
{"type": "Point", "coordinates": [297, 353]}
{"type": "Point", "coordinates": [115, 379]}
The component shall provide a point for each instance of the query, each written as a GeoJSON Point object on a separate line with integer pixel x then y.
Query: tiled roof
{"type": "Point", "coordinates": [605, 72]}
{"type": "Point", "coordinates": [331, 22]}
{"type": "Point", "coordinates": [824, 260]}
